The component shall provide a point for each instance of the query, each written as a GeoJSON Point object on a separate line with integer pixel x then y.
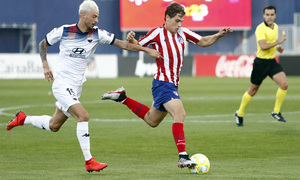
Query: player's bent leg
{"type": "Point", "coordinates": [154, 116]}
{"type": "Point", "coordinates": [57, 120]}
{"type": "Point", "coordinates": [83, 136]}
{"type": "Point", "coordinates": [281, 80]}
{"type": "Point", "coordinates": [175, 108]}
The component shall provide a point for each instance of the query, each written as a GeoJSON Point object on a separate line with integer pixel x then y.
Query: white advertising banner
{"type": "Point", "coordinates": [29, 66]}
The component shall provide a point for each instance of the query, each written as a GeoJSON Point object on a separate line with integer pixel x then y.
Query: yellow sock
{"type": "Point", "coordinates": [280, 96]}
{"type": "Point", "coordinates": [244, 103]}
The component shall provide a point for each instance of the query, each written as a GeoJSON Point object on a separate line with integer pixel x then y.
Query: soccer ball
{"type": "Point", "coordinates": [202, 166]}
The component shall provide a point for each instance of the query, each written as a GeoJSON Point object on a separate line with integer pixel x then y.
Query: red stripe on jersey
{"type": "Point", "coordinates": [171, 59]}
{"type": "Point", "coordinates": [159, 62]}
{"type": "Point", "coordinates": [178, 55]}
{"type": "Point", "coordinates": [190, 37]}
{"type": "Point", "coordinates": [72, 32]}
{"type": "Point", "coordinates": [153, 40]}
{"type": "Point", "coordinates": [91, 32]}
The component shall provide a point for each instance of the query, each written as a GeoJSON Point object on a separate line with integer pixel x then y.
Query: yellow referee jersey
{"type": "Point", "coordinates": [263, 31]}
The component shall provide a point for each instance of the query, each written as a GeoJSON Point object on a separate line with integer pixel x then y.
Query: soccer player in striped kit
{"type": "Point", "coordinates": [169, 40]}
{"type": "Point", "coordinates": [77, 43]}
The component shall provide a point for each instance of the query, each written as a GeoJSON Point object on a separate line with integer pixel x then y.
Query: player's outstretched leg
{"type": "Point", "coordinates": [185, 161]}
{"type": "Point", "coordinates": [116, 95]}
{"type": "Point", "coordinates": [92, 165]}
{"type": "Point", "coordinates": [17, 121]}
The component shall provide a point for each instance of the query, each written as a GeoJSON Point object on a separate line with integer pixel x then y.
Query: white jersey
{"type": "Point", "coordinates": [75, 49]}
{"type": "Point", "coordinates": [172, 49]}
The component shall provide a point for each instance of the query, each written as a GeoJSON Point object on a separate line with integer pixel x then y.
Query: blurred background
{"type": "Point", "coordinates": [24, 23]}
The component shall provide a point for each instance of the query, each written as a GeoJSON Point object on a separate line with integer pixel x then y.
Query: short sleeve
{"type": "Point", "coordinates": [259, 33]}
{"type": "Point", "coordinates": [105, 37]}
{"type": "Point", "coordinates": [54, 36]}
{"type": "Point", "coordinates": [191, 36]}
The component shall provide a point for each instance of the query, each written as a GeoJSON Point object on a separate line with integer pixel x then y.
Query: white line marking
{"type": "Point", "coordinates": [188, 119]}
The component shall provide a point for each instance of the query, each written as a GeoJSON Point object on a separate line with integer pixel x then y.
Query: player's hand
{"type": "Point", "coordinates": [224, 31]}
{"type": "Point", "coordinates": [130, 36]}
{"type": "Point", "coordinates": [282, 38]}
{"type": "Point", "coordinates": [280, 49]}
{"type": "Point", "coordinates": [155, 54]}
{"type": "Point", "coordinates": [48, 74]}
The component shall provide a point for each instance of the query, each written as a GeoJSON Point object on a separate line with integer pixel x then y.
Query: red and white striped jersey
{"type": "Point", "coordinates": [172, 49]}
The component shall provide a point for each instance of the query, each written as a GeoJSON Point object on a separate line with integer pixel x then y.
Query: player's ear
{"type": "Point", "coordinates": [167, 17]}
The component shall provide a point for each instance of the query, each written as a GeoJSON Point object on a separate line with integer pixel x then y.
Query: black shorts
{"type": "Point", "coordinates": [263, 68]}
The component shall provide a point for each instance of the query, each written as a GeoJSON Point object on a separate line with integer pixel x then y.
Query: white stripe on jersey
{"type": "Point", "coordinates": [172, 49]}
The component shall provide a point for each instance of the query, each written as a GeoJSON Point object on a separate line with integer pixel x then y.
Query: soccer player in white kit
{"type": "Point", "coordinates": [169, 40]}
{"type": "Point", "coordinates": [77, 43]}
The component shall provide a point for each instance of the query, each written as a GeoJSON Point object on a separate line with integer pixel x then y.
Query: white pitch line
{"type": "Point", "coordinates": [189, 119]}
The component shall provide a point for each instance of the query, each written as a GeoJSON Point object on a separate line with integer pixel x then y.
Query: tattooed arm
{"type": "Point", "coordinates": [135, 47]}
{"type": "Point", "coordinates": [43, 54]}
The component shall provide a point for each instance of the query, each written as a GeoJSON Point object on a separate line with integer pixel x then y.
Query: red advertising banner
{"type": "Point", "coordinates": [200, 14]}
{"type": "Point", "coordinates": [224, 65]}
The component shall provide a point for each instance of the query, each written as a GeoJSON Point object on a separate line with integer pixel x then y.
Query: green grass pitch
{"type": "Point", "coordinates": [262, 149]}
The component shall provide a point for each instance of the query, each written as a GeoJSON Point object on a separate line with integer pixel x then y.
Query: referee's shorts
{"type": "Point", "coordinates": [263, 68]}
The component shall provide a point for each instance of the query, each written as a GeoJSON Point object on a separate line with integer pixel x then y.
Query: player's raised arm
{"type": "Point", "coordinates": [209, 40]}
{"type": "Point", "coordinates": [43, 54]}
{"type": "Point", "coordinates": [135, 47]}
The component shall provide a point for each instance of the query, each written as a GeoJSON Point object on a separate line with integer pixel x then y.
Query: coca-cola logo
{"type": "Point", "coordinates": [239, 66]}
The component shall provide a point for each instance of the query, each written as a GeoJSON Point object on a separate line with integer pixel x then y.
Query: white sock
{"type": "Point", "coordinates": [183, 153]}
{"type": "Point", "coordinates": [83, 136]}
{"type": "Point", "coordinates": [41, 122]}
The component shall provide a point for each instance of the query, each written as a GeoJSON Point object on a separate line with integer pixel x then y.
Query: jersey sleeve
{"type": "Point", "coordinates": [191, 36]}
{"type": "Point", "coordinates": [150, 38]}
{"type": "Point", "coordinates": [54, 36]}
{"type": "Point", "coordinates": [259, 33]}
{"type": "Point", "coordinates": [105, 37]}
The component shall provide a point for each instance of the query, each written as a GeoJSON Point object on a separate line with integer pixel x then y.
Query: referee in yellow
{"type": "Point", "coordinates": [265, 65]}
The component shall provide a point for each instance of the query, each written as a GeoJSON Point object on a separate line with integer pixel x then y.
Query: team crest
{"type": "Point", "coordinates": [89, 39]}
{"type": "Point", "coordinates": [180, 40]}
{"type": "Point", "coordinates": [176, 93]}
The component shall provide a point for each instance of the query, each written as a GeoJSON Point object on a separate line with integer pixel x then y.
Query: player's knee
{"type": "Point", "coordinates": [54, 127]}
{"type": "Point", "coordinates": [83, 117]}
{"type": "Point", "coordinates": [284, 86]}
{"type": "Point", "coordinates": [153, 124]}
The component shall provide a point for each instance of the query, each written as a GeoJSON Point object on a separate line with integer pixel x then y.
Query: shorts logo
{"type": "Point", "coordinates": [176, 93]}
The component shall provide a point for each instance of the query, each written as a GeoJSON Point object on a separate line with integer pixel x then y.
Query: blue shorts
{"type": "Point", "coordinates": [163, 92]}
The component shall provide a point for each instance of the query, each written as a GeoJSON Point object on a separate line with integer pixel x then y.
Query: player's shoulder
{"type": "Point", "coordinates": [261, 25]}
{"type": "Point", "coordinates": [68, 25]}
{"type": "Point", "coordinates": [183, 29]}
{"type": "Point", "coordinates": [155, 31]}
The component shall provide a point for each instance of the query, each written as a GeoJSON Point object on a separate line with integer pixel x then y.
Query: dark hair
{"type": "Point", "coordinates": [173, 9]}
{"type": "Point", "coordinates": [269, 7]}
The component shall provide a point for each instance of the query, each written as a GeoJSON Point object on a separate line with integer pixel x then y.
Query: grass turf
{"type": "Point", "coordinates": [262, 149]}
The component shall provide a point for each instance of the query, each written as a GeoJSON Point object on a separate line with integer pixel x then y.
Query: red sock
{"type": "Point", "coordinates": [136, 107]}
{"type": "Point", "coordinates": [178, 135]}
